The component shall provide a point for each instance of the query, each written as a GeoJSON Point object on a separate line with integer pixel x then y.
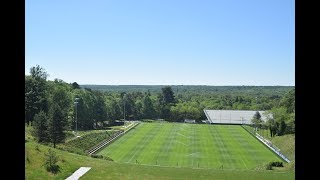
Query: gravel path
{"type": "Point", "coordinates": [80, 172]}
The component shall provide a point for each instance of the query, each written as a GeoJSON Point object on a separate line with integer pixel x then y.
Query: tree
{"type": "Point", "coordinates": [75, 85]}
{"type": "Point", "coordinates": [38, 73]}
{"type": "Point", "coordinates": [35, 93]}
{"type": "Point", "coordinates": [168, 95]}
{"type": "Point", "coordinates": [281, 128]}
{"type": "Point", "coordinates": [288, 101]}
{"type": "Point", "coordinates": [148, 110]}
{"type": "Point", "coordinates": [99, 108]}
{"type": "Point", "coordinates": [271, 123]}
{"type": "Point", "coordinates": [166, 100]}
{"type": "Point", "coordinates": [50, 161]}
{"type": "Point", "coordinates": [40, 127]}
{"type": "Point", "coordinates": [256, 120]}
{"type": "Point", "coordinates": [55, 125]}
{"type": "Point", "coordinates": [58, 115]}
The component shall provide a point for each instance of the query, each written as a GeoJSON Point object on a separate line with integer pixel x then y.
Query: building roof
{"type": "Point", "coordinates": [232, 116]}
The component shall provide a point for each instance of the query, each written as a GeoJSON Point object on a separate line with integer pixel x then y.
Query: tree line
{"type": "Point", "coordinates": [50, 105]}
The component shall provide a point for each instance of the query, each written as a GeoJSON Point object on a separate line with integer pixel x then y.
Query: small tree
{"type": "Point", "coordinates": [50, 162]}
{"type": "Point", "coordinates": [256, 120]}
{"type": "Point", "coordinates": [55, 125]}
{"type": "Point", "coordinates": [40, 127]}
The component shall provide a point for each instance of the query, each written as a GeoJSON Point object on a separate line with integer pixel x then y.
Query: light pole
{"type": "Point", "coordinates": [76, 106]}
{"type": "Point", "coordinates": [124, 110]}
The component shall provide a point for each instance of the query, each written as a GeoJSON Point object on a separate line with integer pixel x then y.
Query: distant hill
{"type": "Point", "coordinates": [253, 90]}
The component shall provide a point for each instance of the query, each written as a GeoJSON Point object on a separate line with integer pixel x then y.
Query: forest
{"type": "Point", "coordinates": [50, 105]}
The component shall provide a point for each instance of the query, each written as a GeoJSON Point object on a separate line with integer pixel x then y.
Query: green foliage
{"type": "Point", "coordinates": [268, 166]}
{"type": "Point", "coordinates": [148, 107]}
{"type": "Point", "coordinates": [86, 142]}
{"type": "Point", "coordinates": [36, 98]}
{"type": "Point", "coordinates": [40, 127]}
{"type": "Point", "coordinates": [50, 162]}
{"type": "Point", "coordinates": [55, 125]}
{"type": "Point", "coordinates": [96, 156]}
{"type": "Point", "coordinates": [75, 85]}
{"type": "Point", "coordinates": [256, 120]}
{"type": "Point", "coordinates": [100, 103]}
{"type": "Point", "coordinates": [276, 164]}
{"type": "Point", "coordinates": [168, 95]}
{"type": "Point", "coordinates": [101, 157]}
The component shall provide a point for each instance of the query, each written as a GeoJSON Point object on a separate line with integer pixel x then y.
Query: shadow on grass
{"type": "Point", "coordinates": [54, 169]}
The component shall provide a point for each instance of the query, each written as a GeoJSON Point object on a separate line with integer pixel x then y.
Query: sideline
{"type": "Point", "coordinates": [78, 173]}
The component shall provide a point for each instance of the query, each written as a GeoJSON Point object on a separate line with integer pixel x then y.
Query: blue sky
{"type": "Point", "coordinates": [165, 42]}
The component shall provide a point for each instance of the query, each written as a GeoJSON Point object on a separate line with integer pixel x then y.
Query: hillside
{"type": "Point", "coordinates": [286, 144]}
{"type": "Point", "coordinates": [103, 169]}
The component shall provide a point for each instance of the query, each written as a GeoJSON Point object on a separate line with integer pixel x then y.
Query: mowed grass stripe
{"type": "Point", "coordinates": [151, 149]}
{"type": "Point", "coordinates": [237, 149]}
{"type": "Point", "coordinates": [140, 143]}
{"type": "Point", "coordinates": [225, 158]}
{"type": "Point", "coordinates": [190, 145]}
{"type": "Point", "coordinates": [167, 146]}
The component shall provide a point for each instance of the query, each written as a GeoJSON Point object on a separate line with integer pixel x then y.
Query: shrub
{"type": "Point", "coordinates": [277, 164]}
{"type": "Point", "coordinates": [107, 158]}
{"type": "Point", "coordinates": [50, 162]}
{"type": "Point", "coordinates": [101, 157]}
{"type": "Point", "coordinates": [269, 166]}
{"type": "Point", "coordinates": [96, 156]}
{"type": "Point", "coordinates": [37, 148]}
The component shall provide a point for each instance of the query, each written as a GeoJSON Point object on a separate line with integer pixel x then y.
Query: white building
{"type": "Point", "coordinates": [190, 121]}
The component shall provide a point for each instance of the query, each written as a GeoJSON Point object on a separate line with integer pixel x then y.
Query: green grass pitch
{"type": "Point", "coordinates": [190, 145]}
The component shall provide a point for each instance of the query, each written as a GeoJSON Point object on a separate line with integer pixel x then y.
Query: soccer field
{"type": "Point", "coordinates": [190, 145]}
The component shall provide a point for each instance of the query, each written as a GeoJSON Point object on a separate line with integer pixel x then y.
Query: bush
{"type": "Point", "coordinates": [50, 162]}
{"type": "Point", "coordinates": [277, 164]}
{"type": "Point", "coordinates": [101, 157]}
{"type": "Point", "coordinates": [269, 166]}
{"type": "Point", "coordinates": [37, 148]}
{"type": "Point", "coordinates": [96, 156]}
{"type": "Point", "coordinates": [107, 158]}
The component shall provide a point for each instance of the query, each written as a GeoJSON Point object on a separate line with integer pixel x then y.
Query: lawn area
{"type": "Point", "coordinates": [286, 144]}
{"type": "Point", "coordinates": [102, 169]}
{"type": "Point", "coordinates": [190, 145]}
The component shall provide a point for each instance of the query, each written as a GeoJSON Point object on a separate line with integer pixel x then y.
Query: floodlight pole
{"type": "Point", "coordinates": [76, 106]}
{"type": "Point", "coordinates": [124, 110]}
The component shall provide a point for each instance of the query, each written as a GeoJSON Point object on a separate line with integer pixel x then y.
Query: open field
{"type": "Point", "coordinates": [102, 169]}
{"type": "Point", "coordinates": [190, 145]}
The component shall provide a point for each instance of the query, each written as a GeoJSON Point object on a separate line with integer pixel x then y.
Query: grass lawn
{"type": "Point", "coordinates": [102, 169]}
{"type": "Point", "coordinates": [190, 145]}
{"type": "Point", "coordinates": [286, 144]}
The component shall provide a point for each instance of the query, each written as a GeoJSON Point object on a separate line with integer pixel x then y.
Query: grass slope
{"type": "Point", "coordinates": [102, 169]}
{"type": "Point", "coordinates": [286, 144]}
{"type": "Point", "coordinates": [190, 145]}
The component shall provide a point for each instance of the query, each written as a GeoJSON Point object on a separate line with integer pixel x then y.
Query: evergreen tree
{"type": "Point", "coordinates": [40, 127]}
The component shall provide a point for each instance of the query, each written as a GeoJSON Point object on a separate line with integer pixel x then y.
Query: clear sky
{"type": "Point", "coordinates": [163, 42]}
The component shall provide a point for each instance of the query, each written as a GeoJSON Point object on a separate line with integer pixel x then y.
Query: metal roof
{"type": "Point", "coordinates": [232, 116]}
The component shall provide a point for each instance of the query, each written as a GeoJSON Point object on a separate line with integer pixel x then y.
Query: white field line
{"type": "Point", "coordinates": [181, 143]}
{"type": "Point", "coordinates": [137, 150]}
{"type": "Point", "coordinates": [78, 173]}
{"type": "Point", "coordinates": [172, 133]}
{"type": "Point", "coordinates": [188, 167]}
{"type": "Point", "coordinates": [242, 157]}
{"type": "Point", "coordinates": [183, 135]}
